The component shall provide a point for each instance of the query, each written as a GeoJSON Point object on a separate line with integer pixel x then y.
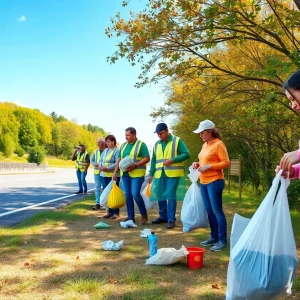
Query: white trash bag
{"type": "Point", "coordinates": [105, 193]}
{"type": "Point", "coordinates": [126, 162]}
{"type": "Point", "coordinates": [167, 256]}
{"type": "Point", "coordinates": [112, 246]}
{"type": "Point", "coordinates": [148, 204]}
{"type": "Point", "coordinates": [263, 259]}
{"type": "Point", "coordinates": [193, 212]}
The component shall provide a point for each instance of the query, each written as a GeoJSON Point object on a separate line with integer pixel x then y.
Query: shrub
{"type": "Point", "coordinates": [20, 151]}
{"type": "Point", "coordinates": [36, 155]}
{"type": "Point", "coordinates": [7, 145]}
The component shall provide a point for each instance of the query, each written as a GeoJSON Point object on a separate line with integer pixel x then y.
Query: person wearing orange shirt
{"type": "Point", "coordinates": [213, 158]}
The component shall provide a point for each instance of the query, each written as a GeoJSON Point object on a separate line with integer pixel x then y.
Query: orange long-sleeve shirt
{"type": "Point", "coordinates": [215, 154]}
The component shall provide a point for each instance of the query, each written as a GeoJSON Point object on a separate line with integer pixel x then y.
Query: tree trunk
{"type": "Point", "coordinates": [297, 2]}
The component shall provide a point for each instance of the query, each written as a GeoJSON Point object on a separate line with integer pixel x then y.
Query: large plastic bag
{"type": "Point", "coordinates": [126, 162]}
{"type": "Point", "coordinates": [193, 212]}
{"type": "Point", "coordinates": [148, 204]}
{"type": "Point", "coordinates": [116, 198]}
{"type": "Point", "coordinates": [105, 193]}
{"type": "Point", "coordinates": [263, 259]}
{"type": "Point", "coordinates": [167, 256]}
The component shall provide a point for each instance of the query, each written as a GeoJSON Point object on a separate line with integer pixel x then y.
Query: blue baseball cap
{"type": "Point", "coordinates": [160, 127]}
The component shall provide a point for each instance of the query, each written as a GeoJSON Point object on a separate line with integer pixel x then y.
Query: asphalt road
{"type": "Point", "coordinates": [21, 193]}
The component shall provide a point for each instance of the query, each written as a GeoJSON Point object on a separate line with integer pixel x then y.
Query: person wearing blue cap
{"type": "Point", "coordinates": [167, 169]}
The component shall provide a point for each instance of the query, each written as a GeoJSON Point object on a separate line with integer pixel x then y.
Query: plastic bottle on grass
{"type": "Point", "coordinates": [152, 241]}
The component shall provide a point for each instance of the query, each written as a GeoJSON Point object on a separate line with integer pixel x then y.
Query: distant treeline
{"type": "Point", "coordinates": [22, 129]}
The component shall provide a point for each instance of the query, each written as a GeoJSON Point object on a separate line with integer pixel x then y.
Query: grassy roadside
{"type": "Point", "coordinates": [52, 161]}
{"type": "Point", "coordinates": [58, 255]}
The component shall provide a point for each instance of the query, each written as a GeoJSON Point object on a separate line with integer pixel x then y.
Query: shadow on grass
{"type": "Point", "coordinates": [122, 274]}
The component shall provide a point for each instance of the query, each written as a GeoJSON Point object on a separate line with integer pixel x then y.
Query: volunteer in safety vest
{"type": "Point", "coordinates": [95, 162]}
{"type": "Point", "coordinates": [107, 164]}
{"type": "Point", "coordinates": [133, 178]}
{"type": "Point", "coordinates": [168, 156]}
{"type": "Point", "coordinates": [82, 159]}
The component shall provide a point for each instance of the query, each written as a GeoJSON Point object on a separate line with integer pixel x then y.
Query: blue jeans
{"type": "Point", "coordinates": [212, 198]}
{"type": "Point", "coordinates": [82, 187]}
{"type": "Point", "coordinates": [167, 208]}
{"type": "Point", "coordinates": [98, 185]}
{"type": "Point", "coordinates": [106, 181]}
{"type": "Point", "coordinates": [132, 189]}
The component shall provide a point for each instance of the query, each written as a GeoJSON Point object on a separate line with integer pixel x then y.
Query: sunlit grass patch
{"type": "Point", "coordinates": [14, 241]}
{"type": "Point", "coordinates": [148, 294]}
{"type": "Point", "coordinates": [83, 285]}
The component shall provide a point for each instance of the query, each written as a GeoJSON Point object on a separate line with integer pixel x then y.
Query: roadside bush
{"type": "Point", "coordinates": [36, 155]}
{"type": "Point", "coordinates": [7, 145]}
{"type": "Point", "coordinates": [20, 151]}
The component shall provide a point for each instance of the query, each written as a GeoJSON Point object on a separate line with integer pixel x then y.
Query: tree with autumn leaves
{"type": "Point", "coordinates": [224, 60]}
{"type": "Point", "coordinates": [29, 130]}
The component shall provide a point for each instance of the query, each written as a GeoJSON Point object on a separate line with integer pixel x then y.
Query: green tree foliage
{"type": "Point", "coordinates": [226, 61]}
{"type": "Point", "coordinates": [57, 118]}
{"type": "Point", "coordinates": [9, 125]}
{"type": "Point", "coordinates": [7, 145]}
{"type": "Point", "coordinates": [23, 129]}
{"type": "Point", "coordinates": [36, 155]}
{"type": "Point", "coordinates": [20, 151]}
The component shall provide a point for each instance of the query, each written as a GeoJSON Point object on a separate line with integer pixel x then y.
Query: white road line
{"type": "Point", "coordinates": [36, 205]}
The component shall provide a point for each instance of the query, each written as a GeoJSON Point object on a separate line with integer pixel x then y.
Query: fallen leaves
{"type": "Point", "coordinates": [3, 283]}
{"type": "Point", "coordinates": [77, 257]}
{"type": "Point", "coordinates": [27, 264]}
{"type": "Point", "coordinates": [112, 280]}
{"type": "Point", "coordinates": [215, 286]}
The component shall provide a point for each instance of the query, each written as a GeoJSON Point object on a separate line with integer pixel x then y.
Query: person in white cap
{"type": "Point", "coordinates": [213, 158]}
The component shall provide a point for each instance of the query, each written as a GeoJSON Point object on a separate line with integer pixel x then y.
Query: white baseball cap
{"type": "Point", "coordinates": [204, 125]}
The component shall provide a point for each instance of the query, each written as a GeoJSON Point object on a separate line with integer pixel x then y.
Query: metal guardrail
{"type": "Point", "coordinates": [11, 167]}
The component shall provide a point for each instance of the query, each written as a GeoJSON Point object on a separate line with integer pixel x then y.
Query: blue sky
{"type": "Point", "coordinates": [53, 58]}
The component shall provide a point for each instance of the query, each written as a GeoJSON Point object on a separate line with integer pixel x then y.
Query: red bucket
{"type": "Point", "coordinates": [195, 257]}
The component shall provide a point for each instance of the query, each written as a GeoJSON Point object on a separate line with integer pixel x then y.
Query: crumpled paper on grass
{"type": "Point", "coordinates": [145, 233]}
{"type": "Point", "coordinates": [112, 246]}
{"type": "Point", "coordinates": [101, 225]}
{"type": "Point", "coordinates": [127, 224]}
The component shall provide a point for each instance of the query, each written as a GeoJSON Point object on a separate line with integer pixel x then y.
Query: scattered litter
{"type": "Point", "coordinates": [145, 232]}
{"type": "Point", "coordinates": [101, 225]}
{"type": "Point", "coordinates": [167, 256]}
{"type": "Point", "coordinates": [128, 224]}
{"type": "Point", "coordinates": [112, 246]}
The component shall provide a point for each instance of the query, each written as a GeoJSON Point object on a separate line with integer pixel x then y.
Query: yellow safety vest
{"type": "Point", "coordinates": [80, 162]}
{"type": "Point", "coordinates": [171, 151]}
{"type": "Point", "coordinates": [139, 171]}
{"type": "Point", "coordinates": [97, 156]}
{"type": "Point", "coordinates": [109, 160]}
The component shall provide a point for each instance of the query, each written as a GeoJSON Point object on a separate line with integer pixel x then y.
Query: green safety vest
{"type": "Point", "coordinates": [140, 171]}
{"type": "Point", "coordinates": [80, 162]}
{"type": "Point", "coordinates": [97, 156]}
{"type": "Point", "coordinates": [171, 150]}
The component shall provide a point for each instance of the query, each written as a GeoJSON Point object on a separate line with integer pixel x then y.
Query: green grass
{"type": "Point", "coordinates": [153, 294]}
{"type": "Point", "coordinates": [52, 160]}
{"type": "Point", "coordinates": [91, 276]}
{"type": "Point", "coordinates": [83, 285]}
{"type": "Point", "coordinates": [14, 241]}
